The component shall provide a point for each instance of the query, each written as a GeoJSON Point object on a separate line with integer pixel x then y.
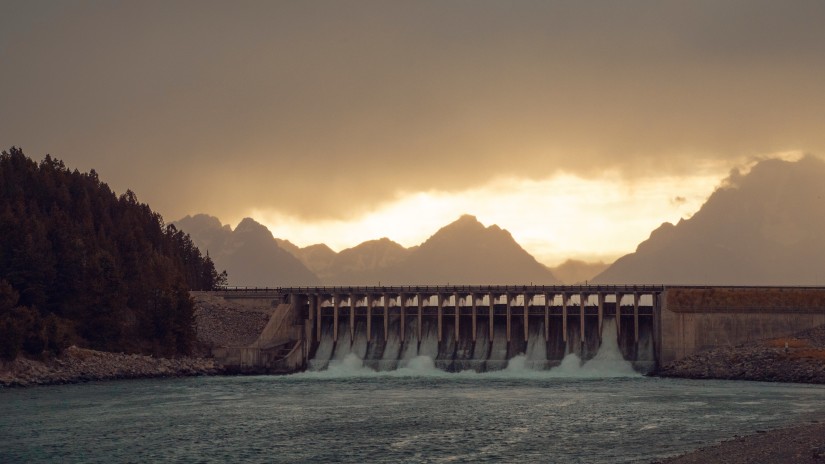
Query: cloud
{"type": "Point", "coordinates": [329, 110]}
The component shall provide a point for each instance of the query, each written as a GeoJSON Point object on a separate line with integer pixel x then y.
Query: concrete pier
{"type": "Point", "coordinates": [564, 316]}
{"type": "Point", "coordinates": [474, 317]}
{"type": "Point", "coordinates": [402, 303]}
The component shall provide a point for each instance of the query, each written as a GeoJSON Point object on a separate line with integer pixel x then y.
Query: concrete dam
{"type": "Point", "coordinates": [472, 330]}
{"type": "Point", "coordinates": [482, 328]}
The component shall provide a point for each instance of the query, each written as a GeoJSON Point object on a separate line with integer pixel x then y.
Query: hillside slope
{"type": "Point", "coordinates": [249, 253]}
{"type": "Point", "coordinates": [766, 227]}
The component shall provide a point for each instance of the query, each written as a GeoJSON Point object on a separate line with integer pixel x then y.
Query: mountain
{"type": "Point", "coordinates": [250, 253]}
{"type": "Point", "coordinates": [575, 271]}
{"type": "Point", "coordinates": [317, 258]}
{"type": "Point", "coordinates": [766, 227]}
{"type": "Point", "coordinates": [466, 252]}
{"type": "Point", "coordinates": [363, 264]}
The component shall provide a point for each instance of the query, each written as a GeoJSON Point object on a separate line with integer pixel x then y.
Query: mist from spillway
{"type": "Point", "coordinates": [400, 359]}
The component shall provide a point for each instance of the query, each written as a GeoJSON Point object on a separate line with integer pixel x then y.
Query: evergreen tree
{"type": "Point", "coordinates": [79, 264]}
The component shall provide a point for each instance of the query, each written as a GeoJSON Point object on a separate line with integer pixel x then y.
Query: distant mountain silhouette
{"type": "Point", "coordinates": [363, 264]}
{"type": "Point", "coordinates": [249, 253]}
{"type": "Point", "coordinates": [575, 271]}
{"type": "Point", "coordinates": [765, 227]}
{"type": "Point", "coordinates": [317, 258]}
{"type": "Point", "coordinates": [466, 252]}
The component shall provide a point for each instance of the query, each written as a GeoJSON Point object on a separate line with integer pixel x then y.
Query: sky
{"type": "Point", "coordinates": [577, 126]}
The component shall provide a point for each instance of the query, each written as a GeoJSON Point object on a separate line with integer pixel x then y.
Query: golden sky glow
{"type": "Point", "coordinates": [574, 125]}
{"type": "Point", "coordinates": [562, 217]}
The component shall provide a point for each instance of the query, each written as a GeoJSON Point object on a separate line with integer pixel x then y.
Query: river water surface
{"type": "Point", "coordinates": [416, 414]}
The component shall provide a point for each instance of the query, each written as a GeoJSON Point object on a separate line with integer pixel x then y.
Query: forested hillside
{"type": "Point", "coordinates": [80, 265]}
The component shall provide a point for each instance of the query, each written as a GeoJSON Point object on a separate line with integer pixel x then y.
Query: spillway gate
{"type": "Point", "coordinates": [566, 318]}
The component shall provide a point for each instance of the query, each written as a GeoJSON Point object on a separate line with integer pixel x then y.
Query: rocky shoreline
{"type": "Point", "coordinates": [77, 365]}
{"type": "Point", "coordinates": [798, 359]}
{"type": "Point", "coordinates": [217, 323]}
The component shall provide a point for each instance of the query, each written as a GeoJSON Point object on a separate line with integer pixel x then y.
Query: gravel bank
{"type": "Point", "coordinates": [799, 358]}
{"type": "Point", "coordinates": [82, 365]}
{"type": "Point", "coordinates": [803, 444]}
{"type": "Point", "coordinates": [219, 322]}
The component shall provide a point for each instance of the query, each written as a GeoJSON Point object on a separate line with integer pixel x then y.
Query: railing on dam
{"type": "Point", "coordinates": [536, 289]}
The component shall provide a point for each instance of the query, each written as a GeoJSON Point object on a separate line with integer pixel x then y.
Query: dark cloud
{"type": "Point", "coordinates": [310, 107]}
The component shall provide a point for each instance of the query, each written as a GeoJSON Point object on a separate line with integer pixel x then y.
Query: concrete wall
{"type": "Point", "coordinates": [693, 319]}
{"type": "Point", "coordinates": [280, 348]}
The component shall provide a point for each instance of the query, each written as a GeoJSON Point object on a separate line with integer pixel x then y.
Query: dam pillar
{"type": "Point", "coordinates": [509, 314]}
{"type": "Point", "coordinates": [582, 299]}
{"type": "Point", "coordinates": [564, 316]}
{"type": "Point", "coordinates": [335, 301]}
{"type": "Point", "coordinates": [318, 307]}
{"type": "Point", "coordinates": [527, 299]}
{"type": "Point", "coordinates": [547, 317]}
{"type": "Point", "coordinates": [440, 301]}
{"type": "Point", "coordinates": [492, 313]}
{"type": "Point", "coordinates": [420, 311]}
{"type": "Point", "coordinates": [636, 317]}
{"type": "Point", "coordinates": [618, 313]}
{"type": "Point", "coordinates": [475, 316]}
{"type": "Point", "coordinates": [369, 318]}
{"type": "Point", "coordinates": [457, 312]}
{"type": "Point", "coordinates": [402, 302]}
{"type": "Point", "coordinates": [352, 303]}
{"type": "Point", "coordinates": [386, 316]}
{"type": "Point", "coordinates": [600, 297]}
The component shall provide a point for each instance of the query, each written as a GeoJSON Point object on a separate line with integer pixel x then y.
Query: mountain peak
{"type": "Point", "coordinates": [251, 226]}
{"type": "Point", "coordinates": [467, 218]}
{"type": "Point", "coordinates": [198, 222]}
{"type": "Point", "coordinates": [250, 253]}
{"type": "Point", "coordinates": [468, 252]}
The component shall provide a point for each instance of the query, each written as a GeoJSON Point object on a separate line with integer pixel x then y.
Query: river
{"type": "Point", "coordinates": [415, 414]}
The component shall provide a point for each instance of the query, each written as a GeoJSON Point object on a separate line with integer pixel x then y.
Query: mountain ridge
{"type": "Point", "coordinates": [464, 251]}
{"type": "Point", "coordinates": [249, 253]}
{"type": "Point", "coordinates": [763, 227]}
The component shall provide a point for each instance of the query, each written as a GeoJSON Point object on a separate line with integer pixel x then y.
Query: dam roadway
{"type": "Point", "coordinates": [654, 324]}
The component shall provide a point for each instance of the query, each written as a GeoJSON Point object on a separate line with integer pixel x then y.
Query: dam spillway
{"type": "Point", "coordinates": [475, 328]}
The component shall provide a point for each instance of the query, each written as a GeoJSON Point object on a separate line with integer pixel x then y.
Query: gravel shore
{"type": "Point", "coordinates": [802, 444]}
{"type": "Point", "coordinates": [81, 365]}
{"type": "Point", "coordinates": [218, 322]}
{"type": "Point", "coordinates": [799, 358]}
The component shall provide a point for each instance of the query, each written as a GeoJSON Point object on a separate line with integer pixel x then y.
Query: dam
{"type": "Point", "coordinates": [482, 328]}
{"type": "Point", "coordinates": [474, 328]}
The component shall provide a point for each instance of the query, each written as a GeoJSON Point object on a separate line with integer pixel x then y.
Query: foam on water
{"type": "Point", "coordinates": [348, 361]}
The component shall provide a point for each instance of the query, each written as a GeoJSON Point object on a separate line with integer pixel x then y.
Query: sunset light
{"type": "Point", "coordinates": [563, 217]}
